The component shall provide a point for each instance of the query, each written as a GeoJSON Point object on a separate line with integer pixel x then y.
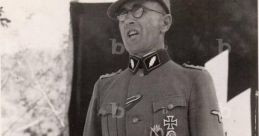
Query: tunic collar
{"type": "Point", "coordinates": [148, 62]}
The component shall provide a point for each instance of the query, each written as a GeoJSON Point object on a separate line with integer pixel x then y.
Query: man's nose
{"type": "Point", "coordinates": [129, 19]}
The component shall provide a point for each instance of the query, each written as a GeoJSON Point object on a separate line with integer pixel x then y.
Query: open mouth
{"type": "Point", "coordinates": [132, 33]}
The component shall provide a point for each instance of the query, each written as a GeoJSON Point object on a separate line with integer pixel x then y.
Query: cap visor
{"type": "Point", "coordinates": [111, 12]}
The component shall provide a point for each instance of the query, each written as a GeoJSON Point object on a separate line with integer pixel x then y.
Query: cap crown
{"type": "Point", "coordinates": [111, 12]}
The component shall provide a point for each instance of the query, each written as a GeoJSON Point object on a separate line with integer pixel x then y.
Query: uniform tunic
{"type": "Point", "coordinates": [171, 96]}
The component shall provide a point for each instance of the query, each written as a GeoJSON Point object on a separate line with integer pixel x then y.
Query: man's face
{"type": "Point", "coordinates": [142, 35]}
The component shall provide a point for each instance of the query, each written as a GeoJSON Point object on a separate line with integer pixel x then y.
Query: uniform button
{"type": "Point", "coordinates": [135, 120]}
{"type": "Point", "coordinates": [170, 106]}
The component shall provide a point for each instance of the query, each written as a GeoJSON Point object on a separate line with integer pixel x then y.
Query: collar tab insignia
{"type": "Point", "coordinates": [148, 62]}
{"type": "Point", "coordinates": [134, 63]}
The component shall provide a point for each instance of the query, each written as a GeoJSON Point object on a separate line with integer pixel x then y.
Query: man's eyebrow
{"type": "Point", "coordinates": [122, 9]}
{"type": "Point", "coordinates": [127, 8]}
{"type": "Point", "coordinates": [133, 5]}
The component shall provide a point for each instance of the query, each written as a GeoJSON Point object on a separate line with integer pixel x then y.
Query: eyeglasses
{"type": "Point", "coordinates": [137, 11]}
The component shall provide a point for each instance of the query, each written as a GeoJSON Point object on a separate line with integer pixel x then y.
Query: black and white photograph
{"type": "Point", "coordinates": [129, 67]}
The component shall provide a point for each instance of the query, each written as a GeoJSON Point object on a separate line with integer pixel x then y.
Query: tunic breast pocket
{"type": "Point", "coordinates": [108, 112]}
{"type": "Point", "coordinates": [171, 113]}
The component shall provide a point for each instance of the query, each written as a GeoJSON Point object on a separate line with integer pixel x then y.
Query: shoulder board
{"type": "Point", "coordinates": [110, 75]}
{"type": "Point", "coordinates": [193, 67]}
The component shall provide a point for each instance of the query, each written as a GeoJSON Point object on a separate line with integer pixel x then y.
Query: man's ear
{"type": "Point", "coordinates": [166, 22]}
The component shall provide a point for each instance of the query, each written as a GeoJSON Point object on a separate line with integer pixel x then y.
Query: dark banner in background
{"type": "Point", "coordinates": [201, 30]}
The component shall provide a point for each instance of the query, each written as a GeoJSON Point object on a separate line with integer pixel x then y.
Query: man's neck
{"type": "Point", "coordinates": [143, 54]}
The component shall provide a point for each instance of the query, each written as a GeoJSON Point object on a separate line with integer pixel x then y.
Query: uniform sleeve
{"type": "Point", "coordinates": [92, 123]}
{"type": "Point", "coordinates": [204, 114]}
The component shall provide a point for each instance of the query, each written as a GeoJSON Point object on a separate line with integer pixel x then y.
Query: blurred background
{"type": "Point", "coordinates": [36, 67]}
{"type": "Point", "coordinates": [52, 52]}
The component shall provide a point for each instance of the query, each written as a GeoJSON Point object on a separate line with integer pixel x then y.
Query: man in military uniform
{"type": "Point", "coordinates": [154, 96]}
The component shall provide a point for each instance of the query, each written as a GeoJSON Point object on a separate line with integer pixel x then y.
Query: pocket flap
{"type": "Point", "coordinates": [105, 109]}
{"type": "Point", "coordinates": [169, 102]}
